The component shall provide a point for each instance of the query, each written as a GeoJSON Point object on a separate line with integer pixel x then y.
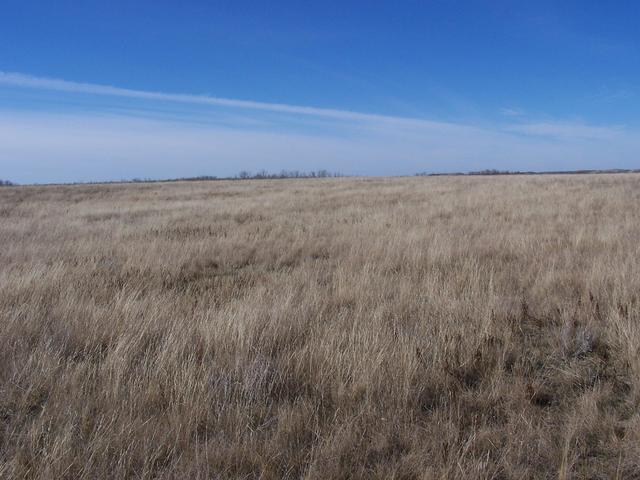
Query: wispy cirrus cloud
{"type": "Point", "coordinates": [219, 136]}
{"type": "Point", "coordinates": [29, 81]}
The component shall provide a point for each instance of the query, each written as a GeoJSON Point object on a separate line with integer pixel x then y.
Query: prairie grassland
{"type": "Point", "coordinates": [447, 327]}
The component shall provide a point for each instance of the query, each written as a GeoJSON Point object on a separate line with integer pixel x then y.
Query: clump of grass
{"type": "Point", "coordinates": [432, 327]}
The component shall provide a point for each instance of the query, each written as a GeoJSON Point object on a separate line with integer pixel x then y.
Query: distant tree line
{"type": "Point", "coordinates": [243, 175]}
{"type": "Point", "coordinates": [493, 171]}
{"type": "Point", "coordinates": [200, 178]}
{"type": "Point", "coordinates": [6, 183]}
{"type": "Point", "coordinates": [246, 175]}
{"type": "Point", "coordinates": [263, 174]}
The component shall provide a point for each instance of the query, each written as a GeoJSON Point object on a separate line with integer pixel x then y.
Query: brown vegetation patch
{"type": "Point", "coordinates": [414, 328]}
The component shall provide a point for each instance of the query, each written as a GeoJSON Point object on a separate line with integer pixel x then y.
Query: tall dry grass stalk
{"type": "Point", "coordinates": [343, 328]}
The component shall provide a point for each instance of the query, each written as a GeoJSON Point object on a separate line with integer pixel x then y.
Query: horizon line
{"type": "Point", "coordinates": [332, 175]}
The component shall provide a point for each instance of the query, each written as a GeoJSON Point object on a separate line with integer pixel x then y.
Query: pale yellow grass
{"type": "Point", "coordinates": [446, 327]}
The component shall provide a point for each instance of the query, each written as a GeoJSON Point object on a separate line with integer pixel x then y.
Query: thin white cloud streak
{"type": "Point", "coordinates": [29, 81]}
{"type": "Point", "coordinates": [547, 129]}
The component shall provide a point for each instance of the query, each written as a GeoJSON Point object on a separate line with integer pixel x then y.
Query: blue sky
{"type": "Point", "coordinates": [107, 90]}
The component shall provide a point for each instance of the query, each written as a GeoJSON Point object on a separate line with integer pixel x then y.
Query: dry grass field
{"type": "Point", "coordinates": [399, 328]}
